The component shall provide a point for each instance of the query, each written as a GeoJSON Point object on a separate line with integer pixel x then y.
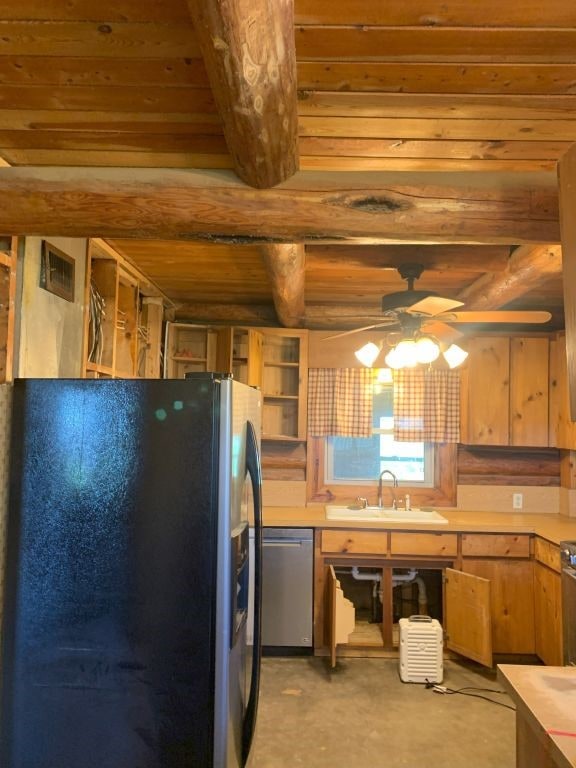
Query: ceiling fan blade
{"type": "Point", "coordinates": [442, 331]}
{"type": "Point", "coordinates": [390, 321]}
{"type": "Point", "coordinates": [497, 316]}
{"type": "Point", "coordinates": [434, 305]}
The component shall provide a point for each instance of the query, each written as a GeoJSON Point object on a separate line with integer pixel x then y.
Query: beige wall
{"type": "Point", "coordinates": [51, 329]}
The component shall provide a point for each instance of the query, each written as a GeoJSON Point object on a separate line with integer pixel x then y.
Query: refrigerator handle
{"type": "Point", "coordinates": [255, 472]}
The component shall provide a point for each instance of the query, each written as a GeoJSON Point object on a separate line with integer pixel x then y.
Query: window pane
{"type": "Point", "coordinates": [355, 458]}
{"type": "Point", "coordinates": [362, 459]}
{"type": "Point", "coordinates": [382, 404]}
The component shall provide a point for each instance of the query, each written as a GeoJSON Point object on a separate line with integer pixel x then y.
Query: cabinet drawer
{"type": "Point", "coordinates": [495, 545]}
{"type": "Point", "coordinates": [547, 554]}
{"type": "Point", "coordinates": [356, 542]}
{"type": "Point", "coordinates": [438, 544]}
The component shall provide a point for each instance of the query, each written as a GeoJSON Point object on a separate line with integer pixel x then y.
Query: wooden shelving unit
{"type": "Point", "coordinates": [189, 349]}
{"type": "Point", "coordinates": [8, 255]}
{"type": "Point", "coordinates": [123, 320]}
{"type": "Point", "coordinates": [284, 384]}
{"type": "Point", "coordinates": [233, 350]}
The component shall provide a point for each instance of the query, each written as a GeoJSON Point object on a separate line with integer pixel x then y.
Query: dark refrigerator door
{"type": "Point", "coordinates": [109, 617]}
{"type": "Point", "coordinates": [254, 470]}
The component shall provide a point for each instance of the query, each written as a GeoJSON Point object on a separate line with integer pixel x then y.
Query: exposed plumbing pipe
{"type": "Point", "coordinates": [365, 576]}
{"type": "Point", "coordinates": [412, 576]}
{"type": "Point", "coordinates": [397, 578]}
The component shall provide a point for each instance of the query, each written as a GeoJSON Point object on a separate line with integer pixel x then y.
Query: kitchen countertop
{"type": "Point", "coordinates": [553, 527]}
{"type": "Point", "coordinates": [545, 699]}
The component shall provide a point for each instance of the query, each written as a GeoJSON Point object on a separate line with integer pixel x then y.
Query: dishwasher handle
{"type": "Point", "coordinates": [285, 542]}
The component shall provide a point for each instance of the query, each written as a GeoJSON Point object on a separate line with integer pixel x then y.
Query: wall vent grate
{"type": "Point", "coordinates": [57, 272]}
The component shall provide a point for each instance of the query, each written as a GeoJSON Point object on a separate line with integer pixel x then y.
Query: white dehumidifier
{"type": "Point", "coordinates": [421, 650]}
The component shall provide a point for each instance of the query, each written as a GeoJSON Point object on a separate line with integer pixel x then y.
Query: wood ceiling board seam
{"type": "Point", "coordinates": [418, 44]}
{"type": "Point", "coordinates": [122, 40]}
{"type": "Point", "coordinates": [143, 11]}
{"type": "Point", "coordinates": [96, 71]}
{"type": "Point", "coordinates": [526, 78]}
{"type": "Point", "coordinates": [435, 105]}
{"type": "Point", "coordinates": [449, 12]}
{"type": "Point", "coordinates": [441, 128]}
{"type": "Point", "coordinates": [102, 98]}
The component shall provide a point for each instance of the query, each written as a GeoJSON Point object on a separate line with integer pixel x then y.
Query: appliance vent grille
{"type": "Point", "coordinates": [421, 651]}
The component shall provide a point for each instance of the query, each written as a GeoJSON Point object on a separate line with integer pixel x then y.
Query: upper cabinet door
{"type": "Point", "coordinates": [529, 396]}
{"type": "Point", "coordinates": [486, 392]}
{"type": "Point", "coordinates": [505, 392]}
{"type": "Point", "coordinates": [467, 618]}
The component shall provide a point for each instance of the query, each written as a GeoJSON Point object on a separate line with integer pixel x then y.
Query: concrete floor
{"type": "Point", "coordinates": [362, 716]}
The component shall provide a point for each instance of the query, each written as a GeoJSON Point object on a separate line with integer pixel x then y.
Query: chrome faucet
{"type": "Point", "coordinates": [393, 487]}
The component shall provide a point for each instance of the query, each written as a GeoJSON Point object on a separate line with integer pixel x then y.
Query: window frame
{"type": "Point", "coordinates": [442, 493]}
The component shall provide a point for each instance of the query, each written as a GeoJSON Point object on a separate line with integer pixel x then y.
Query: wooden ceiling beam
{"type": "Point", "coordinates": [215, 206]}
{"type": "Point", "coordinates": [527, 268]}
{"type": "Point", "coordinates": [464, 258]}
{"type": "Point", "coordinates": [285, 265]}
{"type": "Point", "coordinates": [235, 314]}
{"type": "Point", "coordinates": [249, 55]}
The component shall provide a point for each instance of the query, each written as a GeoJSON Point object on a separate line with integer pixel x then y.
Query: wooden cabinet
{"type": "Point", "coordinates": [8, 254]}
{"type": "Point", "coordinates": [505, 393]}
{"type": "Point", "coordinates": [284, 384]}
{"type": "Point", "coordinates": [504, 561]}
{"type": "Point", "coordinates": [488, 601]}
{"type": "Point", "coordinates": [548, 602]}
{"type": "Point", "coordinates": [189, 349]}
{"type": "Point", "coordinates": [196, 348]}
{"type": "Point", "coordinates": [562, 428]}
{"type": "Point", "coordinates": [123, 319]}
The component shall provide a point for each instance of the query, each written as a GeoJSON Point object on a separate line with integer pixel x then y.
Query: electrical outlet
{"type": "Point", "coordinates": [517, 500]}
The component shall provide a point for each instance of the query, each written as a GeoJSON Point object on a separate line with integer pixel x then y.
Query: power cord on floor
{"type": "Point", "coordinates": [470, 691]}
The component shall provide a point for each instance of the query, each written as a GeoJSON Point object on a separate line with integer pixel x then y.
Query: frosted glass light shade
{"type": "Point", "coordinates": [454, 355]}
{"type": "Point", "coordinates": [367, 354]}
{"type": "Point", "coordinates": [392, 360]}
{"type": "Point", "coordinates": [426, 350]}
{"type": "Point", "coordinates": [405, 353]}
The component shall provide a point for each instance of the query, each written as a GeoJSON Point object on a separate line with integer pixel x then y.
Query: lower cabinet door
{"type": "Point", "coordinates": [467, 619]}
{"type": "Point", "coordinates": [340, 615]}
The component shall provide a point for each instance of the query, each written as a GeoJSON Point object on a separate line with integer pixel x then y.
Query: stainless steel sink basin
{"type": "Point", "coordinates": [383, 514]}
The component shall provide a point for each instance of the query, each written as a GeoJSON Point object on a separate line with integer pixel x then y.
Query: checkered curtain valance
{"type": "Point", "coordinates": [340, 402]}
{"type": "Point", "coordinates": [427, 405]}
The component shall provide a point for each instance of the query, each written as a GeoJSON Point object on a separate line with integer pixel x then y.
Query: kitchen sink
{"type": "Point", "coordinates": [383, 514]}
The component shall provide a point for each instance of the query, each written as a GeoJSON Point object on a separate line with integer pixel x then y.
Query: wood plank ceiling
{"type": "Point", "coordinates": [427, 131]}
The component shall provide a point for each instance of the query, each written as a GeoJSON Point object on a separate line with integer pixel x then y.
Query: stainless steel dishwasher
{"type": "Point", "coordinates": [287, 583]}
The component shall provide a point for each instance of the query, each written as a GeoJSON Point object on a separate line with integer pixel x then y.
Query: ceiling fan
{"type": "Point", "coordinates": [412, 311]}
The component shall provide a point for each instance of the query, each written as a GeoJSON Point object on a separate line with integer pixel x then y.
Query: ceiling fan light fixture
{"type": "Point", "coordinates": [427, 350]}
{"type": "Point", "coordinates": [405, 354]}
{"type": "Point", "coordinates": [454, 355]}
{"type": "Point", "coordinates": [392, 360]}
{"type": "Point", "coordinates": [368, 354]}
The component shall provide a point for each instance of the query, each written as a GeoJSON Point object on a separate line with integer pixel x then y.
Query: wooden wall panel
{"type": "Point", "coordinates": [486, 465]}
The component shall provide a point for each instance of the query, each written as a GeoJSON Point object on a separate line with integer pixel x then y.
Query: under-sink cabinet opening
{"type": "Point", "coordinates": [374, 599]}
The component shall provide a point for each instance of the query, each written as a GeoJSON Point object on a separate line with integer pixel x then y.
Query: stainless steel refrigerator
{"type": "Point", "coordinates": [124, 634]}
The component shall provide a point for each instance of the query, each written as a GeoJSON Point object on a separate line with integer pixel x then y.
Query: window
{"type": "Point", "coordinates": [356, 460]}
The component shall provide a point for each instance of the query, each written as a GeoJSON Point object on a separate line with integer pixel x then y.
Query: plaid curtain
{"type": "Point", "coordinates": [427, 405]}
{"type": "Point", "coordinates": [340, 402]}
